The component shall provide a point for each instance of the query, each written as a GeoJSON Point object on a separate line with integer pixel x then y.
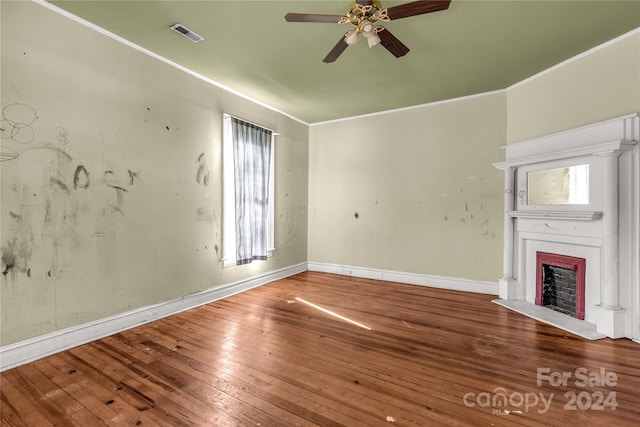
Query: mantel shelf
{"type": "Point", "coordinates": [557, 214]}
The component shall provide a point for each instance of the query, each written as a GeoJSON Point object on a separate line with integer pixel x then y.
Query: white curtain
{"type": "Point", "coordinates": [251, 156]}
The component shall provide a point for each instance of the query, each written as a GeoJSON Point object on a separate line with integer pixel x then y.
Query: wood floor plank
{"type": "Point", "coordinates": [432, 357]}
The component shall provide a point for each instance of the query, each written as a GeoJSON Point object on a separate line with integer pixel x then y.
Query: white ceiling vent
{"type": "Point", "coordinates": [182, 30]}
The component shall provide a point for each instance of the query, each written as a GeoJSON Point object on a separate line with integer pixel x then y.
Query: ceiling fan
{"type": "Point", "coordinates": [365, 15]}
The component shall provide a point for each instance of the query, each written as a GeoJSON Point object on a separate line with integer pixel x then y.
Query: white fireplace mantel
{"type": "Point", "coordinates": [605, 231]}
{"type": "Point", "coordinates": [594, 149]}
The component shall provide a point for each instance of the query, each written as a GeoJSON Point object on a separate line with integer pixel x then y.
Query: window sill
{"type": "Point", "coordinates": [226, 262]}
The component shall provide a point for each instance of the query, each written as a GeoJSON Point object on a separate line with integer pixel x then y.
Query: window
{"type": "Point", "coordinates": [248, 192]}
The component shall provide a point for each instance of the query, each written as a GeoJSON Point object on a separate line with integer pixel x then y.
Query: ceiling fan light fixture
{"type": "Point", "coordinates": [351, 37]}
{"type": "Point", "coordinates": [366, 27]}
{"type": "Point", "coordinates": [369, 31]}
{"type": "Point", "coordinates": [373, 39]}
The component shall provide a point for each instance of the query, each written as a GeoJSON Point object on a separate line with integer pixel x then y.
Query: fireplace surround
{"type": "Point", "coordinates": [598, 224]}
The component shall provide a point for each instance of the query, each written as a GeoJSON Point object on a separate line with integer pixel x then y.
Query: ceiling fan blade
{"type": "Point", "coordinates": [312, 17]}
{"type": "Point", "coordinates": [416, 8]}
{"type": "Point", "coordinates": [336, 51]}
{"type": "Point", "coordinates": [392, 44]}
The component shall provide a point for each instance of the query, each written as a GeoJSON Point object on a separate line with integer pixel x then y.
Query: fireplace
{"type": "Point", "coordinates": [560, 282]}
{"type": "Point", "coordinates": [575, 193]}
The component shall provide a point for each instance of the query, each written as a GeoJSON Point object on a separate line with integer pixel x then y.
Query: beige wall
{"type": "Point", "coordinates": [600, 85]}
{"type": "Point", "coordinates": [77, 101]}
{"type": "Point", "coordinates": [427, 198]}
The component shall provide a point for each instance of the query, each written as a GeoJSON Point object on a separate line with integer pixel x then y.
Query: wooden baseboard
{"type": "Point", "coordinates": [26, 351]}
{"type": "Point", "coordinates": [442, 282]}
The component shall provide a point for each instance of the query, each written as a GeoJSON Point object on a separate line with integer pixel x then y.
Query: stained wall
{"type": "Point", "coordinates": [412, 191]}
{"type": "Point", "coordinates": [111, 177]}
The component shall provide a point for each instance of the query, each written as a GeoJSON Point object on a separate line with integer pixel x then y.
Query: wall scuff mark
{"type": "Point", "coordinates": [207, 215]}
{"type": "Point", "coordinates": [80, 178]}
{"type": "Point", "coordinates": [202, 174]}
{"type": "Point", "coordinates": [16, 123]}
{"type": "Point", "coordinates": [57, 208]}
{"type": "Point", "coordinates": [287, 226]}
{"type": "Point", "coordinates": [16, 256]}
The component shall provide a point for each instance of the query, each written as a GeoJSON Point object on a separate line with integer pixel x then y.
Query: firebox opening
{"type": "Point", "coordinates": [559, 289]}
{"type": "Point", "coordinates": [560, 282]}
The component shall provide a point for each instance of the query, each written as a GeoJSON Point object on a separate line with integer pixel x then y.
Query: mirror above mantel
{"type": "Point", "coordinates": [559, 186]}
{"type": "Point", "coordinates": [566, 184]}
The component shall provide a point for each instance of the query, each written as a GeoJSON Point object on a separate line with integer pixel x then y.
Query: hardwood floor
{"type": "Point", "coordinates": [267, 358]}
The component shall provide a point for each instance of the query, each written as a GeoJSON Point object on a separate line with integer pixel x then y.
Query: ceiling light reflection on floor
{"type": "Point", "coordinates": [324, 310]}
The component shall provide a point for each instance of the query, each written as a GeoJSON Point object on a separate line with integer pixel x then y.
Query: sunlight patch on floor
{"type": "Point", "coordinates": [331, 313]}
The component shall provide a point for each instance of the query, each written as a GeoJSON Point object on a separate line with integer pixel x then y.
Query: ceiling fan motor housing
{"type": "Point", "coordinates": [359, 14]}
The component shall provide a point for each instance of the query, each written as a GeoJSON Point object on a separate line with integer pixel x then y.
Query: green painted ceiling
{"type": "Point", "coordinates": [475, 46]}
